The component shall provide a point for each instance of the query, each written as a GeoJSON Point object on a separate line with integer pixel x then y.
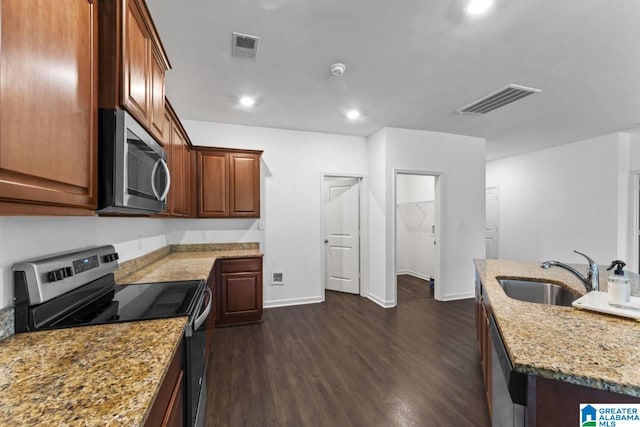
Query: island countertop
{"type": "Point", "coordinates": [106, 375]}
{"type": "Point", "coordinates": [562, 343]}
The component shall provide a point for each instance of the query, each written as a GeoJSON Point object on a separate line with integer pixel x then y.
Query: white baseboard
{"type": "Point", "coordinates": [454, 297]}
{"type": "Point", "coordinates": [415, 274]}
{"type": "Point", "coordinates": [382, 303]}
{"type": "Point", "coordinates": [291, 301]}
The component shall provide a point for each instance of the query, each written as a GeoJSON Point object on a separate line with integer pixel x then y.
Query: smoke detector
{"type": "Point", "coordinates": [244, 45]}
{"type": "Point", "coordinates": [337, 69]}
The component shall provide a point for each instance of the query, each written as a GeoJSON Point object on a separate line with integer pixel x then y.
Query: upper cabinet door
{"type": "Point", "coordinates": [48, 106]}
{"type": "Point", "coordinates": [177, 177]}
{"type": "Point", "coordinates": [157, 98]}
{"type": "Point", "coordinates": [133, 64]}
{"type": "Point", "coordinates": [213, 184]}
{"type": "Point", "coordinates": [244, 190]}
{"type": "Point", "coordinates": [137, 62]}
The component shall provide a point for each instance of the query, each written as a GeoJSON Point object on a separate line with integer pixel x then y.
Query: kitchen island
{"type": "Point", "coordinates": [561, 351]}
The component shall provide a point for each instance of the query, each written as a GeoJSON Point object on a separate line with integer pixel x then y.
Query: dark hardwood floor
{"type": "Point", "coordinates": [410, 288]}
{"type": "Point", "coordinates": [349, 362]}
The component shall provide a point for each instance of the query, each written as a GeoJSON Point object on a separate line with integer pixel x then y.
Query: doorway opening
{"type": "Point", "coordinates": [342, 222]}
{"type": "Point", "coordinates": [417, 226]}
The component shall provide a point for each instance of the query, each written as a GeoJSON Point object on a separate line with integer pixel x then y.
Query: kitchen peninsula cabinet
{"type": "Point", "coordinates": [238, 290]}
{"type": "Point", "coordinates": [48, 107]}
{"type": "Point", "coordinates": [228, 183]}
{"type": "Point", "coordinates": [132, 64]}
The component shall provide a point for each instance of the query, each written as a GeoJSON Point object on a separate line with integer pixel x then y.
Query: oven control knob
{"type": "Point", "coordinates": [59, 274]}
{"type": "Point", "coordinates": [67, 271]}
{"type": "Point", "coordinates": [111, 257]}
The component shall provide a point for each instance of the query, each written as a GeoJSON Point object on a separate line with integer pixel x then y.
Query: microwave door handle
{"type": "Point", "coordinates": [163, 197]}
{"type": "Point", "coordinates": [153, 179]}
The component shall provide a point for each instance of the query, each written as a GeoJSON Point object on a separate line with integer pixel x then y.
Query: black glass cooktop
{"type": "Point", "coordinates": [126, 303]}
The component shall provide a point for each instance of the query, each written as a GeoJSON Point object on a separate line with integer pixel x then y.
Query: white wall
{"type": "Point", "coordinates": [574, 196]}
{"type": "Point", "coordinates": [460, 162]}
{"type": "Point", "coordinates": [376, 159]}
{"type": "Point", "coordinates": [292, 164]}
{"type": "Point", "coordinates": [415, 217]}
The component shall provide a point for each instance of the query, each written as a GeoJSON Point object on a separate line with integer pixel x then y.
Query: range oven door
{"type": "Point", "coordinates": [134, 176]}
{"type": "Point", "coordinates": [196, 363]}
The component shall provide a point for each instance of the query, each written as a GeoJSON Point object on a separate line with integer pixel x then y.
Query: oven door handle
{"type": "Point", "coordinates": [200, 319]}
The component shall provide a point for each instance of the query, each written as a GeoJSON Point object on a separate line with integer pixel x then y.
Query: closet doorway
{"type": "Point", "coordinates": [416, 242]}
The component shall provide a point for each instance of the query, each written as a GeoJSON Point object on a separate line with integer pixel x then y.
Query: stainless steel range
{"type": "Point", "coordinates": [78, 289]}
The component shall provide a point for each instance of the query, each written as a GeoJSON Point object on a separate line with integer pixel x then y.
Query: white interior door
{"type": "Point", "coordinates": [491, 218]}
{"type": "Point", "coordinates": [342, 228]}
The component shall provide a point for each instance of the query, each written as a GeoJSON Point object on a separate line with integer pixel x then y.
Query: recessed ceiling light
{"type": "Point", "coordinates": [247, 101]}
{"type": "Point", "coordinates": [476, 7]}
{"type": "Point", "coordinates": [353, 114]}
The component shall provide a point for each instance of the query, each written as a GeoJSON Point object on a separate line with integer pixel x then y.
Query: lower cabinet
{"type": "Point", "coordinates": [239, 290]}
{"type": "Point", "coordinates": [484, 341]}
{"type": "Point", "coordinates": [168, 409]}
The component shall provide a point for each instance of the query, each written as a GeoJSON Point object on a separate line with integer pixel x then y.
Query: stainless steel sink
{"type": "Point", "coordinates": [538, 292]}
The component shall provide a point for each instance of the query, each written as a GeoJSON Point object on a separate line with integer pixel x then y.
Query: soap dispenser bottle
{"type": "Point", "coordinates": [618, 285]}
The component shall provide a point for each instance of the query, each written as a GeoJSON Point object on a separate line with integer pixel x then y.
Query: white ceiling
{"type": "Point", "coordinates": [410, 64]}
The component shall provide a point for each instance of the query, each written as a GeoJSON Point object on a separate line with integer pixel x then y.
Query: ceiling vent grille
{"type": "Point", "coordinates": [496, 99]}
{"type": "Point", "coordinates": [244, 45]}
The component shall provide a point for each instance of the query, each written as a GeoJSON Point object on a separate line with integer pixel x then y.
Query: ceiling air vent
{"type": "Point", "coordinates": [496, 99]}
{"type": "Point", "coordinates": [244, 45]}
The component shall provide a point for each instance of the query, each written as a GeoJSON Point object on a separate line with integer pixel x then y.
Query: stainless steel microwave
{"type": "Point", "coordinates": [133, 177]}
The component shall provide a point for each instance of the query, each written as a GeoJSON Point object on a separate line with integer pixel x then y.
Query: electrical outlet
{"type": "Point", "coordinates": [203, 236]}
{"type": "Point", "coordinates": [261, 224]}
{"type": "Point", "coordinates": [139, 243]}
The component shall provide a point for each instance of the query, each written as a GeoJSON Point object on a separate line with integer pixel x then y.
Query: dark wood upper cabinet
{"type": "Point", "coordinates": [157, 98]}
{"type": "Point", "coordinates": [187, 198]}
{"type": "Point", "coordinates": [228, 183]}
{"type": "Point", "coordinates": [213, 184]}
{"type": "Point", "coordinates": [180, 165]}
{"type": "Point", "coordinates": [48, 107]}
{"type": "Point", "coordinates": [177, 174]}
{"type": "Point", "coordinates": [133, 63]}
{"type": "Point", "coordinates": [244, 184]}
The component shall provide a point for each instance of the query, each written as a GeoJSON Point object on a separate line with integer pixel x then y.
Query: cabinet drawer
{"type": "Point", "coordinates": [240, 265]}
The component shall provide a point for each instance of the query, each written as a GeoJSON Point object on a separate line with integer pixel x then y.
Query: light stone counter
{"type": "Point", "coordinates": [563, 343]}
{"type": "Point", "coordinates": [181, 262]}
{"type": "Point", "coordinates": [105, 375]}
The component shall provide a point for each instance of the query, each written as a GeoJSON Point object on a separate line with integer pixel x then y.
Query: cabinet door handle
{"type": "Point", "coordinates": [326, 240]}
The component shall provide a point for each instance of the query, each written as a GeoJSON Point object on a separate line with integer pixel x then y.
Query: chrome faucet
{"type": "Point", "coordinates": [591, 281]}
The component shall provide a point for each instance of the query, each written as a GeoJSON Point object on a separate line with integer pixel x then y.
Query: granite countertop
{"type": "Point", "coordinates": [563, 343]}
{"type": "Point", "coordinates": [105, 375]}
{"type": "Point", "coordinates": [181, 262]}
